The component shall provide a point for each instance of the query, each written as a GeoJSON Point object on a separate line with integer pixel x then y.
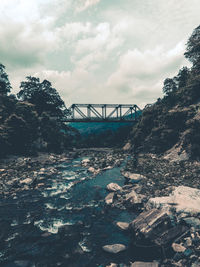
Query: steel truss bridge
{"type": "Point", "coordinates": [103, 113]}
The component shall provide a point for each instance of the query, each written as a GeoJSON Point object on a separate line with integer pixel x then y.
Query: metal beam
{"type": "Point", "coordinates": [103, 113]}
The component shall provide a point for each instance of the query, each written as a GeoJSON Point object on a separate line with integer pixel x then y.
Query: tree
{"type": "Point", "coordinates": [42, 95]}
{"type": "Point", "coordinates": [4, 81]}
{"type": "Point", "coordinates": [182, 77]}
{"type": "Point", "coordinates": [193, 48]}
{"type": "Point", "coordinates": [169, 86]}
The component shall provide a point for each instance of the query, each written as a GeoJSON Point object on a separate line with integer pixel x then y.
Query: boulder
{"type": "Point", "coordinates": [115, 248]}
{"type": "Point", "coordinates": [93, 170]}
{"type": "Point", "coordinates": [144, 264]}
{"type": "Point", "coordinates": [178, 248]}
{"type": "Point", "coordinates": [109, 198]}
{"type": "Point", "coordinates": [123, 225]}
{"type": "Point", "coordinates": [134, 177]}
{"type": "Point", "coordinates": [113, 187]}
{"type": "Point", "coordinates": [85, 162]}
{"type": "Point", "coordinates": [184, 199]}
{"type": "Point", "coordinates": [133, 198]}
{"type": "Point", "coordinates": [192, 221]}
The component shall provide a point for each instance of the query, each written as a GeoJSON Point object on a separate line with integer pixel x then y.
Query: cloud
{"type": "Point", "coordinates": [96, 51]}
{"type": "Point", "coordinates": [141, 74]}
{"type": "Point", "coordinates": [25, 38]}
{"type": "Point", "coordinates": [85, 4]}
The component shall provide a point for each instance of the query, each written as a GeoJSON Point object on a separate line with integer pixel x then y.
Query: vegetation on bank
{"type": "Point", "coordinates": [173, 122]}
{"type": "Point", "coordinates": [31, 121]}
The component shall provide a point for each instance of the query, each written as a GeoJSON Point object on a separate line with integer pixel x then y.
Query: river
{"type": "Point", "coordinates": [64, 222]}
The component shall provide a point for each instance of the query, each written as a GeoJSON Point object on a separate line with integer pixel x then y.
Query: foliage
{"type": "Point", "coordinates": [4, 81]}
{"type": "Point", "coordinates": [33, 123]}
{"type": "Point", "coordinates": [174, 119]}
{"type": "Point", "coordinates": [42, 95]}
{"type": "Point", "coordinates": [193, 48]}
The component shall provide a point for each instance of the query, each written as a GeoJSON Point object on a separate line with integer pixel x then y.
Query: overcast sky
{"type": "Point", "coordinates": [97, 51]}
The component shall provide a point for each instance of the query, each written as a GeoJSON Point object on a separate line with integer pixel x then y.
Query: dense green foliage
{"type": "Point", "coordinates": [42, 95]}
{"type": "Point", "coordinates": [32, 123]}
{"type": "Point", "coordinates": [175, 119]}
{"type": "Point", "coordinates": [103, 134]}
{"type": "Point", "coordinates": [4, 82]}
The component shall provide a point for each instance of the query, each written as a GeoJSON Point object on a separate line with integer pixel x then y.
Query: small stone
{"type": "Point", "coordinates": [116, 248]}
{"type": "Point", "coordinates": [113, 187]}
{"type": "Point", "coordinates": [134, 198]}
{"type": "Point", "coordinates": [93, 170]}
{"type": "Point", "coordinates": [123, 225]}
{"type": "Point", "coordinates": [112, 265]}
{"type": "Point", "coordinates": [85, 162]}
{"type": "Point", "coordinates": [26, 181]}
{"type": "Point", "coordinates": [178, 248]}
{"type": "Point", "coordinates": [188, 242]}
{"type": "Point", "coordinates": [127, 147]}
{"type": "Point", "coordinates": [109, 198]}
{"type": "Point", "coordinates": [134, 177]}
{"type": "Point", "coordinates": [144, 264]}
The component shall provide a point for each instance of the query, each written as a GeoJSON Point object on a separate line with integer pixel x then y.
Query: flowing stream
{"type": "Point", "coordinates": [64, 222]}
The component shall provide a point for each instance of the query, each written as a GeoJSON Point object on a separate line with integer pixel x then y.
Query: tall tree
{"type": "Point", "coordinates": [169, 86]}
{"type": "Point", "coordinates": [193, 48]}
{"type": "Point", "coordinates": [42, 95]}
{"type": "Point", "coordinates": [4, 81]}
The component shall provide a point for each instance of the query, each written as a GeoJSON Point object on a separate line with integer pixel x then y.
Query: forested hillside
{"type": "Point", "coordinates": [31, 121]}
{"type": "Point", "coordinates": [172, 124]}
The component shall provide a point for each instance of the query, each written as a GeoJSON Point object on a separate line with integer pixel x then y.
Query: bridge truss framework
{"type": "Point", "coordinates": [103, 113]}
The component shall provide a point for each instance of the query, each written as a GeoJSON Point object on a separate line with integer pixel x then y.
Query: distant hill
{"type": "Point", "coordinates": [103, 133]}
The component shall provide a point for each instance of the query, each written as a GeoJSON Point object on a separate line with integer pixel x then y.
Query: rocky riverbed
{"type": "Point", "coordinates": [146, 180]}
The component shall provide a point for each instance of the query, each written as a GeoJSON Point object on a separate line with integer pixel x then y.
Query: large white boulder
{"type": "Point", "coordinates": [184, 199]}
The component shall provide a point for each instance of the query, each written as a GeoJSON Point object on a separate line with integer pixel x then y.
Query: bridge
{"type": "Point", "coordinates": [103, 113]}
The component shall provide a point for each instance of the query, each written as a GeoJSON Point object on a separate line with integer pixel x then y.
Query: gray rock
{"type": "Point", "coordinates": [123, 225]}
{"type": "Point", "coordinates": [192, 221]}
{"type": "Point", "coordinates": [115, 248]}
{"type": "Point", "coordinates": [184, 199]}
{"type": "Point", "coordinates": [109, 198]}
{"type": "Point", "coordinates": [178, 247]}
{"type": "Point", "coordinates": [133, 197]}
{"type": "Point", "coordinates": [134, 177]}
{"type": "Point", "coordinates": [113, 187]}
{"type": "Point", "coordinates": [144, 264]}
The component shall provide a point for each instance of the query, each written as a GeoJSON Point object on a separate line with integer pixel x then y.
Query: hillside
{"type": "Point", "coordinates": [31, 122]}
{"type": "Point", "coordinates": [102, 134]}
{"type": "Point", "coordinates": [171, 125]}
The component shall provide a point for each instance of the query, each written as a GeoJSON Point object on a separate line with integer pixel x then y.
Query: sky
{"type": "Point", "coordinates": [97, 51]}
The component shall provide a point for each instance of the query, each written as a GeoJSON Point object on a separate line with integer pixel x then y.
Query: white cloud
{"type": "Point", "coordinates": [142, 73]}
{"type": "Point", "coordinates": [85, 4]}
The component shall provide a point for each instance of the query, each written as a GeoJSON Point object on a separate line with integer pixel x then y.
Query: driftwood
{"type": "Point", "coordinates": [155, 225]}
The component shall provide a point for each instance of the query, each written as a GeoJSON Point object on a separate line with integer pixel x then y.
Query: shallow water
{"type": "Point", "coordinates": [65, 222]}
